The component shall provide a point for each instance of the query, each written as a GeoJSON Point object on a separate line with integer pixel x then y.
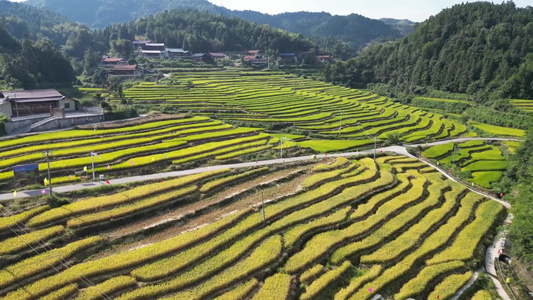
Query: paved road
{"type": "Point", "coordinates": [467, 285]}
{"type": "Point", "coordinates": [492, 253]}
{"type": "Point", "coordinates": [396, 149]}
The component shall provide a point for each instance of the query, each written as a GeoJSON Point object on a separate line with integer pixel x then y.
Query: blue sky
{"type": "Point", "coordinates": [415, 10]}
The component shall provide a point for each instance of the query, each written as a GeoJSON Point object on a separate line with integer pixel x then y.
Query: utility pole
{"type": "Point", "coordinates": [263, 201]}
{"type": "Point", "coordinates": [281, 140]}
{"type": "Point", "coordinates": [48, 153]}
{"type": "Point", "coordinates": [375, 147]}
{"type": "Point", "coordinates": [93, 154]}
{"type": "Point", "coordinates": [454, 149]}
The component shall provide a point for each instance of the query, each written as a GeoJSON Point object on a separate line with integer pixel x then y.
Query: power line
{"type": "Point", "coordinates": [62, 261]}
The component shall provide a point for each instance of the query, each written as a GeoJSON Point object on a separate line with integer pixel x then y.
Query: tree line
{"type": "Point", "coordinates": [480, 48]}
{"type": "Point", "coordinates": [39, 48]}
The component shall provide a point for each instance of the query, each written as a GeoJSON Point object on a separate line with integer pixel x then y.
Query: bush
{"type": "Point", "coordinates": [3, 119]}
{"type": "Point", "coordinates": [120, 115]}
{"type": "Point", "coordinates": [393, 138]}
{"type": "Point", "coordinates": [106, 106]}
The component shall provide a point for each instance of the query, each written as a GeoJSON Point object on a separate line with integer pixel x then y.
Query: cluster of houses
{"type": "Point", "coordinates": [145, 48]}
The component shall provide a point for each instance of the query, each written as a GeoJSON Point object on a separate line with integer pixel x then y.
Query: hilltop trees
{"type": "Point", "coordinates": [476, 48]}
{"type": "Point", "coordinates": [37, 64]}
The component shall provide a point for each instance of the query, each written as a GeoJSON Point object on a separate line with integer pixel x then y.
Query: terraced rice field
{"type": "Point", "coordinates": [156, 144]}
{"type": "Point", "coordinates": [499, 130]}
{"type": "Point", "coordinates": [344, 229]}
{"type": "Point", "coordinates": [525, 105]}
{"type": "Point", "coordinates": [286, 101]}
{"type": "Point", "coordinates": [485, 162]}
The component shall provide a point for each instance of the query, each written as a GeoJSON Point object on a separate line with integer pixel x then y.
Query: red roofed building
{"type": "Point", "coordinates": [126, 71]}
{"type": "Point", "coordinates": [255, 60]}
{"type": "Point", "coordinates": [110, 62]}
{"type": "Point", "coordinates": [324, 58]}
{"type": "Point", "coordinates": [255, 52]}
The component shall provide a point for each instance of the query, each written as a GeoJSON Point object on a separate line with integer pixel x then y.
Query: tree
{"type": "Point", "coordinates": [91, 59]}
{"type": "Point", "coordinates": [393, 138]}
{"type": "Point", "coordinates": [521, 231]}
{"type": "Point", "coordinates": [464, 119]}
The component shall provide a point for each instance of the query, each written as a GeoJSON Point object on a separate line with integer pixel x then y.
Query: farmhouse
{"type": "Point", "coordinates": [324, 58]}
{"type": "Point", "coordinates": [19, 103]}
{"type": "Point", "coordinates": [255, 53]}
{"type": "Point", "coordinates": [109, 62]}
{"type": "Point", "coordinates": [140, 43]}
{"type": "Point", "coordinates": [256, 60]}
{"type": "Point", "coordinates": [218, 56]}
{"type": "Point", "coordinates": [156, 50]}
{"type": "Point", "coordinates": [177, 53]}
{"type": "Point", "coordinates": [203, 58]}
{"type": "Point", "coordinates": [288, 57]}
{"type": "Point", "coordinates": [126, 71]}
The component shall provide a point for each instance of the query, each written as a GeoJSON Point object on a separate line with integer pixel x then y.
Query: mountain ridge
{"type": "Point", "coordinates": [354, 28]}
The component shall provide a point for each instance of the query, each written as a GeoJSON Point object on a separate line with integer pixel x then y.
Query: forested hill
{"type": "Point", "coordinates": [204, 32]}
{"type": "Point", "coordinates": [22, 20]}
{"type": "Point", "coordinates": [29, 64]}
{"type": "Point", "coordinates": [99, 13]}
{"type": "Point", "coordinates": [476, 48]}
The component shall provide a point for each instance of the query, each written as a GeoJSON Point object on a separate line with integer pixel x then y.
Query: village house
{"type": "Point", "coordinates": [126, 71]}
{"type": "Point", "coordinates": [256, 53]}
{"type": "Point", "coordinates": [218, 56]}
{"type": "Point", "coordinates": [154, 50]}
{"type": "Point", "coordinates": [256, 58]}
{"type": "Point", "coordinates": [288, 57]}
{"type": "Point", "coordinates": [203, 58]}
{"type": "Point", "coordinates": [109, 62]}
{"type": "Point", "coordinates": [256, 61]}
{"type": "Point", "coordinates": [18, 103]}
{"type": "Point", "coordinates": [324, 58]}
{"type": "Point", "coordinates": [140, 44]}
{"type": "Point", "coordinates": [177, 53]}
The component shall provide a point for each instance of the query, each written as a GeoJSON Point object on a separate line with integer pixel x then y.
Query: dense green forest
{"type": "Point", "coordinates": [480, 48]}
{"type": "Point", "coordinates": [520, 172]}
{"type": "Point", "coordinates": [355, 29]}
{"type": "Point", "coordinates": [404, 27]}
{"type": "Point", "coordinates": [34, 23]}
{"type": "Point", "coordinates": [30, 64]}
{"type": "Point", "coordinates": [81, 48]}
{"type": "Point", "coordinates": [202, 32]}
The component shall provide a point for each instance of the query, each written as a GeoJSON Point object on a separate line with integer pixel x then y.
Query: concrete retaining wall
{"type": "Point", "coordinates": [69, 122]}
{"type": "Point", "coordinates": [17, 125]}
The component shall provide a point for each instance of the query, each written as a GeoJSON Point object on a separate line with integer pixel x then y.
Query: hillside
{"type": "Point", "coordinates": [476, 48]}
{"type": "Point", "coordinates": [26, 21]}
{"type": "Point", "coordinates": [405, 27]}
{"type": "Point", "coordinates": [353, 28]}
{"type": "Point", "coordinates": [30, 64]}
